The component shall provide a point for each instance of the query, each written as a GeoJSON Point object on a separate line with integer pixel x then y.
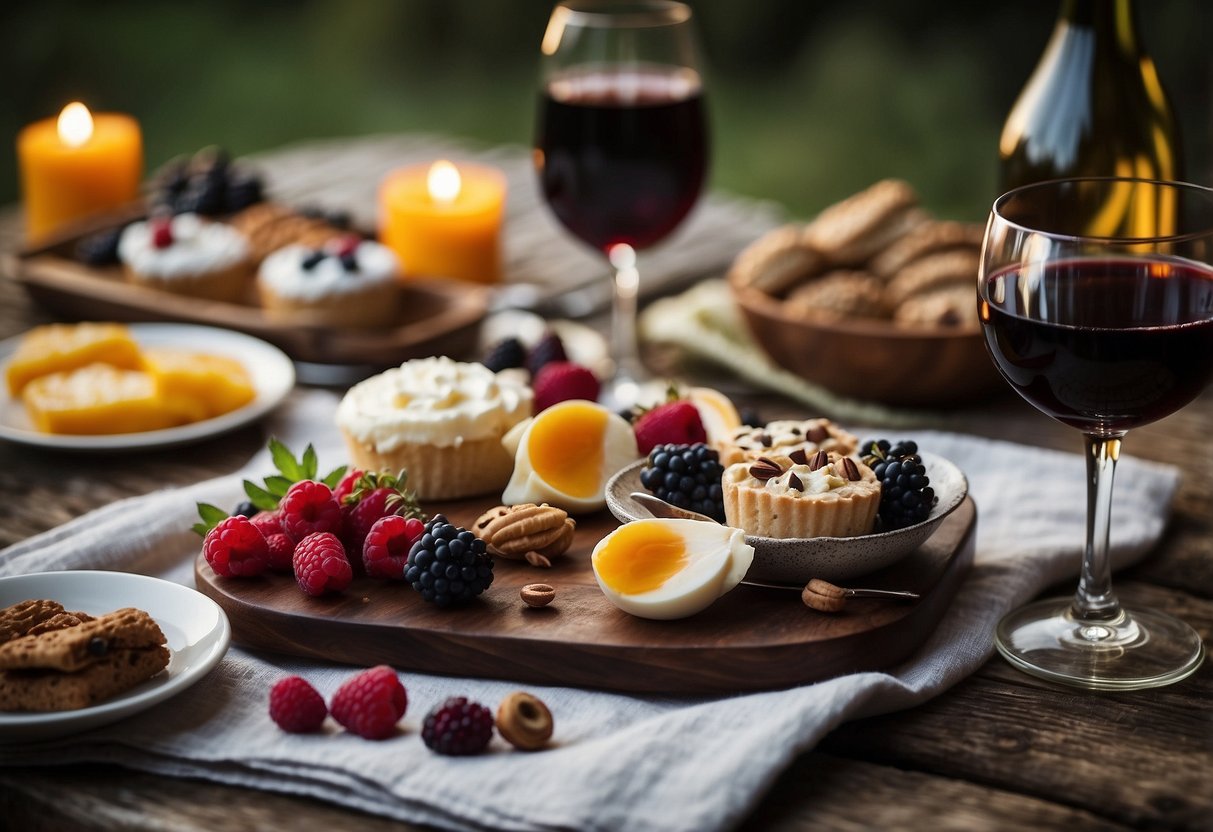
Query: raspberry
{"type": "Point", "coordinates": [448, 565]}
{"type": "Point", "coordinates": [236, 549]}
{"type": "Point", "coordinates": [560, 381]}
{"type": "Point", "coordinates": [346, 486]}
{"type": "Point", "coordinates": [672, 423]}
{"type": "Point", "coordinates": [296, 706]}
{"type": "Point", "coordinates": [458, 727]}
{"type": "Point", "coordinates": [307, 508]}
{"type": "Point", "coordinates": [281, 552]}
{"type": "Point", "coordinates": [374, 496]}
{"type": "Point", "coordinates": [386, 550]}
{"type": "Point", "coordinates": [503, 355]}
{"type": "Point", "coordinates": [320, 564]}
{"type": "Point", "coordinates": [550, 348]}
{"type": "Point", "coordinates": [371, 703]}
{"type": "Point", "coordinates": [267, 522]}
{"type": "Point", "coordinates": [162, 232]}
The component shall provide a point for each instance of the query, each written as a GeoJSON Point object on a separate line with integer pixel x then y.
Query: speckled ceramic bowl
{"type": "Point", "coordinates": [799, 560]}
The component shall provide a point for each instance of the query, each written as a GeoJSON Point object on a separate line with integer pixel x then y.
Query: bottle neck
{"type": "Point", "coordinates": [1112, 21]}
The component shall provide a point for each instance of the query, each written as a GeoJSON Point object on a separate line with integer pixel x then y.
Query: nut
{"type": "Point", "coordinates": [524, 721]}
{"type": "Point", "coordinates": [512, 531]}
{"type": "Point", "coordinates": [537, 595]}
{"type": "Point", "coordinates": [818, 460]}
{"type": "Point", "coordinates": [536, 559]}
{"type": "Point", "coordinates": [823, 596]}
{"type": "Point", "coordinates": [850, 469]}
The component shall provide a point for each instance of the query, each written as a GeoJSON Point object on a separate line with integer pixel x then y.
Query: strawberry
{"type": "Point", "coordinates": [560, 381]}
{"type": "Point", "coordinates": [373, 496]}
{"type": "Point", "coordinates": [672, 423]}
{"type": "Point", "coordinates": [346, 486]}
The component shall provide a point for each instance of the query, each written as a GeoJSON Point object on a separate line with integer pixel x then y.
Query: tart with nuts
{"type": "Point", "coordinates": [785, 436]}
{"type": "Point", "coordinates": [800, 495]}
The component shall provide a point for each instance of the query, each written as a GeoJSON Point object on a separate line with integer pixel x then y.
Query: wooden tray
{"type": "Point", "coordinates": [437, 316]}
{"type": "Point", "coordinates": [751, 639]}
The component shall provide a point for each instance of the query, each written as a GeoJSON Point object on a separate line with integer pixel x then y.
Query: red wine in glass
{"type": "Point", "coordinates": [1126, 341]}
{"type": "Point", "coordinates": [624, 152]}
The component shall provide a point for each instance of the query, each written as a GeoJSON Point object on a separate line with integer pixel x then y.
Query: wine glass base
{"type": "Point", "coordinates": [620, 392]}
{"type": "Point", "coordinates": [1141, 648]}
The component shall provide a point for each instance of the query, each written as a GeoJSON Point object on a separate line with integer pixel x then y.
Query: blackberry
{"type": "Point", "coordinates": [906, 496]}
{"type": "Point", "coordinates": [448, 565]}
{"type": "Point", "coordinates": [203, 195]}
{"type": "Point", "coordinates": [246, 509]}
{"type": "Point", "coordinates": [458, 727]}
{"type": "Point", "coordinates": [550, 348]}
{"type": "Point", "coordinates": [243, 189]}
{"type": "Point", "coordinates": [687, 476]}
{"type": "Point", "coordinates": [100, 249]}
{"type": "Point", "coordinates": [505, 354]}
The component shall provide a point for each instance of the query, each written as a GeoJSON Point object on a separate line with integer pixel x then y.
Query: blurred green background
{"type": "Point", "coordinates": [810, 100]}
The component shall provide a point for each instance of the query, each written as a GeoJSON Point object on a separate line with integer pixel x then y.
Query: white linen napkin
{"type": "Point", "coordinates": [618, 761]}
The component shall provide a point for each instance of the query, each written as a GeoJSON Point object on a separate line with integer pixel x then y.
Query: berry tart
{"type": "Point", "coordinates": [439, 419]}
{"type": "Point", "coordinates": [349, 282]}
{"type": "Point", "coordinates": [801, 495]}
{"type": "Point", "coordinates": [783, 437]}
{"type": "Point", "coordinates": [187, 255]}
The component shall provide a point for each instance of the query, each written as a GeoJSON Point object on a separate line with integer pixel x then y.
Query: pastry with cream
{"type": "Point", "coordinates": [784, 437]}
{"type": "Point", "coordinates": [801, 495]}
{"type": "Point", "coordinates": [187, 255]}
{"type": "Point", "coordinates": [441, 420]}
{"type": "Point", "coordinates": [566, 454]}
{"type": "Point", "coordinates": [348, 282]}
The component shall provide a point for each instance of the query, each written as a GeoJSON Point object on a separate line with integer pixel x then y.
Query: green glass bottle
{"type": "Point", "coordinates": [1094, 106]}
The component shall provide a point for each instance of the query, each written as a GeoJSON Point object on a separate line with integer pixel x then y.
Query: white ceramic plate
{"type": "Point", "coordinates": [799, 560]}
{"type": "Point", "coordinates": [272, 374]}
{"type": "Point", "coordinates": [197, 631]}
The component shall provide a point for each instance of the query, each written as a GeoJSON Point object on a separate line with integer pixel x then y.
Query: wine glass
{"type": "Point", "coordinates": [621, 142]}
{"type": "Point", "coordinates": [1096, 301]}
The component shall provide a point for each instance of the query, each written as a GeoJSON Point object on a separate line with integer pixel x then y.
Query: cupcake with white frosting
{"type": "Point", "coordinates": [441, 420]}
{"type": "Point", "coordinates": [349, 282]}
{"type": "Point", "coordinates": [187, 255]}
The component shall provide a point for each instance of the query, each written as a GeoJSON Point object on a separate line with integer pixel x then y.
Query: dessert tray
{"type": "Point", "coordinates": [196, 630]}
{"type": "Point", "coordinates": [753, 638]}
{"type": "Point", "coordinates": [437, 316]}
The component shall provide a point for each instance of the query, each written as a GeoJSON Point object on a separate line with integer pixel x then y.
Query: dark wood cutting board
{"type": "Point", "coordinates": [751, 639]}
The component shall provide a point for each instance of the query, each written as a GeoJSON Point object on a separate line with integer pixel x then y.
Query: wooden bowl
{"type": "Point", "coordinates": [875, 360]}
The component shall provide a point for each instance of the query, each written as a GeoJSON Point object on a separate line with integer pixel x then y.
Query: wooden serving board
{"type": "Point", "coordinates": [437, 317]}
{"type": "Point", "coordinates": [751, 639]}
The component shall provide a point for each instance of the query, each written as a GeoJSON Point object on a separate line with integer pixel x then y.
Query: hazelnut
{"type": "Point", "coordinates": [524, 721]}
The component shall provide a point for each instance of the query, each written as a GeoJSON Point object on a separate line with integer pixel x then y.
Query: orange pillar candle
{"type": "Point", "coordinates": [76, 165]}
{"type": "Point", "coordinates": [444, 220]}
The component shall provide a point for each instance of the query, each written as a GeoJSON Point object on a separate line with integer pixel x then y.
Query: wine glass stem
{"type": "Point", "coordinates": [1095, 600]}
{"type": "Point", "coordinates": [623, 315]}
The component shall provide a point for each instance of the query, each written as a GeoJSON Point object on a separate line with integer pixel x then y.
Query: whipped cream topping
{"type": "Point", "coordinates": [198, 247]}
{"type": "Point", "coordinates": [432, 401]}
{"type": "Point", "coordinates": [820, 481]}
{"type": "Point", "coordinates": [785, 435]}
{"type": "Point", "coordinates": [283, 271]}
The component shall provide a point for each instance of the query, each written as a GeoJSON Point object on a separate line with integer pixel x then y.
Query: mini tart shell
{"type": "Point", "coordinates": [472, 468]}
{"type": "Point", "coordinates": [745, 445]}
{"type": "Point", "coordinates": [230, 284]}
{"type": "Point", "coordinates": [375, 305]}
{"type": "Point", "coordinates": [846, 511]}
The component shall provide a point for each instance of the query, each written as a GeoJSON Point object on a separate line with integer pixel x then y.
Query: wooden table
{"type": "Point", "coordinates": [1000, 750]}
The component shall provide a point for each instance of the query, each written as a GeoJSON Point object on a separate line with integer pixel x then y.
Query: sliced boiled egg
{"type": "Point", "coordinates": [665, 568]}
{"type": "Point", "coordinates": [565, 455]}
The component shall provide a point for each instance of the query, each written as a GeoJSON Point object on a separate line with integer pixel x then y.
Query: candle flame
{"type": "Point", "coordinates": [75, 124]}
{"type": "Point", "coordinates": [444, 182]}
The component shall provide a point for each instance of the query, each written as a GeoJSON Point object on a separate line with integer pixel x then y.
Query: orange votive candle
{"type": "Point", "coordinates": [75, 165]}
{"type": "Point", "coordinates": [444, 220]}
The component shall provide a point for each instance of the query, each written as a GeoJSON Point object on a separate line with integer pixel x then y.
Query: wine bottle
{"type": "Point", "coordinates": [1095, 106]}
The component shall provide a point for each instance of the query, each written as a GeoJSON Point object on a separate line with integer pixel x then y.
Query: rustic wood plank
{"type": "Point", "coordinates": [88, 798]}
{"type": "Point", "coordinates": [823, 791]}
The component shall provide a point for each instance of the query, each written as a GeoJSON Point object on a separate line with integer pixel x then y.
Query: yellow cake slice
{"type": "Point", "coordinates": [200, 384]}
{"type": "Point", "coordinates": [99, 399]}
{"type": "Point", "coordinates": [57, 348]}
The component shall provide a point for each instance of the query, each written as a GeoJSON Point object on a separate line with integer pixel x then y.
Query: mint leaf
{"type": "Point", "coordinates": [333, 479]}
{"type": "Point", "coordinates": [211, 516]}
{"type": "Point", "coordinates": [278, 486]}
{"type": "Point", "coordinates": [309, 463]}
{"type": "Point", "coordinates": [285, 461]}
{"type": "Point", "coordinates": [259, 497]}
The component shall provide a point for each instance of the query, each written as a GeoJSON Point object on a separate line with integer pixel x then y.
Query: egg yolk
{"type": "Point", "coordinates": [566, 448]}
{"type": "Point", "coordinates": [640, 557]}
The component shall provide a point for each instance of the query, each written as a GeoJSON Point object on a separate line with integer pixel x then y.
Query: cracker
{"type": "Point", "coordinates": [776, 262]}
{"type": "Point", "coordinates": [851, 231]}
{"type": "Point", "coordinates": [839, 294]}
{"type": "Point", "coordinates": [935, 271]}
{"type": "Point", "coordinates": [269, 226]}
{"type": "Point", "coordinates": [929, 238]}
{"type": "Point", "coordinates": [60, 622]}
{"type": "Point", "coordinates": [53, 690]}
{"type": "Point", "coordinates": [78, 647]}
{"type": "Point", "coordinates": [954, 305]}
{"type": "Point", "coordinates": [19, 619]}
